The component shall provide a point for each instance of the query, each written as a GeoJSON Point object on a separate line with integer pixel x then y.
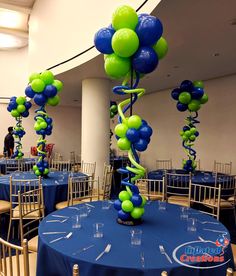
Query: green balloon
{"type": "Point", "coordinates": [181, 132]}
{"type": "Point", "coordinates": [120, 130]}
{"type": "Point", "coordinates": [35, 168]}
{"type": "Point", "coordinates": [144, 200]}
{"type": "Point", "coordinates": [38, 85]}
{"type": "Point", "coordinates": [15, 113]}
{"type": "Point", "coordinates": [192, 138]}
{"type": "Point", "coordinates": [125, 42]}
{"type": "Point", "coordinates": [204, 99]}
{"type": "Point", "coordinates": [20, 100]}
{"type": "Point", "coordinates": [185, 97]}
{"type": "Point", "coordinates": [187, 133]}
{"type": "Point", "coordinates": [20, 154]}
{"type": "Point", "coordinates": [34, 76]}
{"type": "Point", "coordinates": [47, 77]}
{"type": "Point", "coordinates": [43, 125]}
{"type": "Point", "coordinates": [161, 47]}
{"type": "Point", "coordinates": [137, 213]}
{"type": "Point", "coordinates": [198, 84]}
{"type": "Point", "coordinates": [117, 67]}
{"type": "Point", "coordinates": [185, 138]}
{"type": "Point", "coordinates": [37, 126]}
{"type": "Point", "coordinates": [53, 101]}
{"type": "Point", "coordinates": [21, 108]}
{"type": "Point", "coordinates": [112, 114]}
{"type": "Point", "coordinates": [58, 84]}
{"type": "Point", "coordinates": [46, 171]}
{"type": "Point", "coordinates": [127, 206]}
{"type": "Point", "coordinates": [124, 195]}
{"type": "Point", "coordinates": [193, 130]}
{"type": "Point", "coordinates": [194, 105]}
{"type": "Point", "coordinates": [134, 121]}
{"type": "Point", "coordinates": [37, 172]}
{"type": "Point", "coordinates": [123, 144]}
{"type": "Point", "coordinates": [124, 17]}
{"type": "Point", "coordinates": [114, 108]}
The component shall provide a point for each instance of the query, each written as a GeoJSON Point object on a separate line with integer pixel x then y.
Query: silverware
{"type": "Point", "coordinates": [208, 222]}
{"type": "Point", "coordinates": [83, 249]}
{"type": "Point", "coordinates": [59, 216]}
{"type": "Point", "coordinates": [106, 250]}
{"type": "Point", "coordinates": [65, 237]}
{"type": "Point", "coordinates": [216, 231]}
{"type": "Point", "coordinates": [162, 250]}
{"type": "Point", "coordinates": [142, 259]}
{"type": "Point", "coordinates": [52, 233]}
{"type": "Point", "coordinates": [57, 220]}
{"type": "Point", "coordinates": [89, 205]}
{"type": "Point", "coordinates": [72, 207]}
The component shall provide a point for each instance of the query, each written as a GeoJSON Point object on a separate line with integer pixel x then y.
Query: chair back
{"type": "Point", "coordinates": [26, 166]}
{"type": "Point", "coordinates": [152, 189]}
{"type": "Point", "coordinates": [31, 210]}
{"type": "Point", "coordinates": [164, 164]}
{"type": "Point", "coordinates": [12, 165]}
{"type": "Point", "coordinates": [228, 187]}
{"type": "Point", "coordinates": [208, 196]}
{"type": "Point", "coordinates": [107, 182]}
{"type": "Point", "coordinates": [75, 270]}
{"type": "Point", "coordinates": [88, 168]}
{"type": "Point", "coordinates": [80, 189]}
{"type": "Point", "coordinates": [57, 157]}
{"type": "Point", "coordinates": [229, 272]}
{"type": "Point", "coordinates": [177, 184]}
{"type": "Point", "coordinates": [12, 265]}
{"type": "Point", "coordinates": [220, 167]}
{"type": "Point", "coordinates": [58, 165]}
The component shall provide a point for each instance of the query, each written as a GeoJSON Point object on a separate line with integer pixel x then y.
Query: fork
{"type": "Point", "coordinates": [65, 237]}
{"type": "Point", "coordinates": [57, 220]}
{"type": "Point", "coordinates": [142, 259]}
{"type": "Point", "coordinates": [210, 222]}
{"type": "Point", "coordinates": [162, 250]}
{"type": "Point", "coordinates": [106, 250]}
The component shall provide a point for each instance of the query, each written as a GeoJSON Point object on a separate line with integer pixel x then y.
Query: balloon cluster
{"type": "Point", "coordinates": [43, 88]}
{"type": "Point", "coordinates": [130, 205]}
{"type": "Point", "coordinates": [113, 109]}
{"type": "Point", "coordinates": [18, 107]}
{"type": "Point", "coordinates": [132, 41]}
{"type": "Point", "coordinates": [133, 132]}
{"type": "Point", "coordinates": [190, 96]}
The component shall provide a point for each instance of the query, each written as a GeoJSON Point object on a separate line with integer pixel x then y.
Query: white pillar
{"type": "Point", "coordinates": [95, 140]}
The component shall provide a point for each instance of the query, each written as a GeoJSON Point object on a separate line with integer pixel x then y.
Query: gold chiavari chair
{"type": "Point", "coordinates": [208, 197]}
{"type": "Point", "coordinates": [22, 186]}
{"type": "Point", "coordinates": [230, 272]}
{"type": "Point", "coordinates": [225, 168]}
{"type": "Point", "coordinates": [75, 270]}
{"type": "Point", "coordinates": [12, 165]}
{"type": "Point", "coordinates": [16, 260]}
{"type": "Point", "coordinates": [58, 156]}
{"type": "Point", "coordinates": [152, 189]}
{"type": "Point", "coordinates": [164, 164]}
{"type": "Point", "coordinates": [26, 166]}
{"type": "Point", "coordinates": [164, 273]}
{"type": "Point", "coordinates": [75, 161]}
{"type": "Point", "coordinates": [178, 188]}
{"type": "Point", "coordinates": [31, 205]}
{"type": "Point", "coordinates": [233, 246]}
{"type": "Point", "coordinates": [88, 168]}
{"type": "Point", "coordinates": [61, 165]}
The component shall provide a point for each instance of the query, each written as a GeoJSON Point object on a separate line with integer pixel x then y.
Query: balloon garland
{"type": "Point", "coordinates": [43, 89]}
{"type": "Point", "coordinates": [133, 46]}
{"type": "Point", "coordinates": [18, 107]}
{"type": "Point", "coordinates": [190, 96]}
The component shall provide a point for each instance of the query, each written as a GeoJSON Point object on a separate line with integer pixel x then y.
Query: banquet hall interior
{"type": "Point", "coordinates": [124, 160]}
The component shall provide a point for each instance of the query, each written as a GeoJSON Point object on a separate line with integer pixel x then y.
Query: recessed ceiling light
{"type": "Point", "coordinates": [8, 41]}
{"type": "Point", "coordinates": [216, 54]}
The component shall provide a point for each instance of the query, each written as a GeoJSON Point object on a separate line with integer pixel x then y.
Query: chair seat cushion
{"type": "Point", "coordinates": [223, 203]}
{"type": "Point", "coordinates": [33, 214]}
{"type": "Point", "coordinates": [231, 198]}
{"type": "Point", "coordinates": [5, 206]}
{"type": "Point", "coordinates": [33, 244]}
{"type": "Point", "coordinates": [179, 200]}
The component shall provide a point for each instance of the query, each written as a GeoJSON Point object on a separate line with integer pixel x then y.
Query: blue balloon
{"type": "Point", "coordinates": [9, 108]}
{"type": "Point", "coordinates": [196, 133]}
{"type": "Point", "coordinates": [186, 85]}
{"type": "Point", "coordinates": [136, 200]}
{"type": "Point", "coordinates": [25, 114]}
{"type": "Point", "coordinates": [141, 16]}
{"type": "Point", "coordinates": [50, 91]}
{"type": "Point", "coordinates": [117, 205]}
{"type": "Point", "coordinates": [13, 99]}
{"type": "Point", "coordinates": [40, 99]}
{"type": "Point", "coordinates": [182, 107]}
{"type": "Point", "coordinates": [197, 93]}
{"type": "Point", "coordinates": [132, 134]}
{"type": "Point", "coordinates": [175, 94]}
{"type": "Point", "coordinates": [145, 132]}
{"type": "Point", "coordinates": [185, 128]}
{"type": "Point", "coordinates": [189, 162]}
{"type": "Point", "coordinates": [123, 215]}
{"type": "Point", "coordinates": [144, 122]}
{"type": "Point", "coordinates": [49, 121]}
{"type": "Point", "coordinates": [141, 145]}
{"type": "Point", "coordinates": [145, 60]}
{"type": "Point", "coordinates": [29, 92]}
{"type": "Point", "coordinates": [102, 40]}
{"type": "Point", "coordinates": [28, 105]}
{"type": "Point", "coordinates": [149, 29]}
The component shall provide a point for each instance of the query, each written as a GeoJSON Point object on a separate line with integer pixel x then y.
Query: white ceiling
{"type": "Point", "coordinates": [202, 45]}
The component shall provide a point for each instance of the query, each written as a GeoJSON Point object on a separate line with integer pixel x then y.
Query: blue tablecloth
{"type": "Point", "coordinates": [54, 187]}
{"type": "Point", "coordinates": [159, 228]}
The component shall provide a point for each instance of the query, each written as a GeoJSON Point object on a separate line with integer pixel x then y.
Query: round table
{"type": "Point", "coordinates": [55, 186]}
{"type": "Point", "coordinates": [158, 227]}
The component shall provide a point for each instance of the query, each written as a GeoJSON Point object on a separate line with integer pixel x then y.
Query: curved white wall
{"type": "Point", "coordinates": [60, 29]}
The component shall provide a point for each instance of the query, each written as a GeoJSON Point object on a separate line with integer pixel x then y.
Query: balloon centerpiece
{"type": "Point", "coordinates": [132, 46]}
{"type": "Point", "coordinates": [43, 88]}
{"type": "Point", "coordinates": [19, 107]}
{"type": "Point", "coordinates": [190, 96]}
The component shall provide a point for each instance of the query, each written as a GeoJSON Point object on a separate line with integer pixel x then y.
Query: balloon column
{"type": "Point", "coordinates": [190, 96]}
{"type": "Point", "coordinates": [43, 89]}
{"type": "Point", "coordinates": [18, 107]}
{"type": "Point", "coordinates": [133, 45]}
